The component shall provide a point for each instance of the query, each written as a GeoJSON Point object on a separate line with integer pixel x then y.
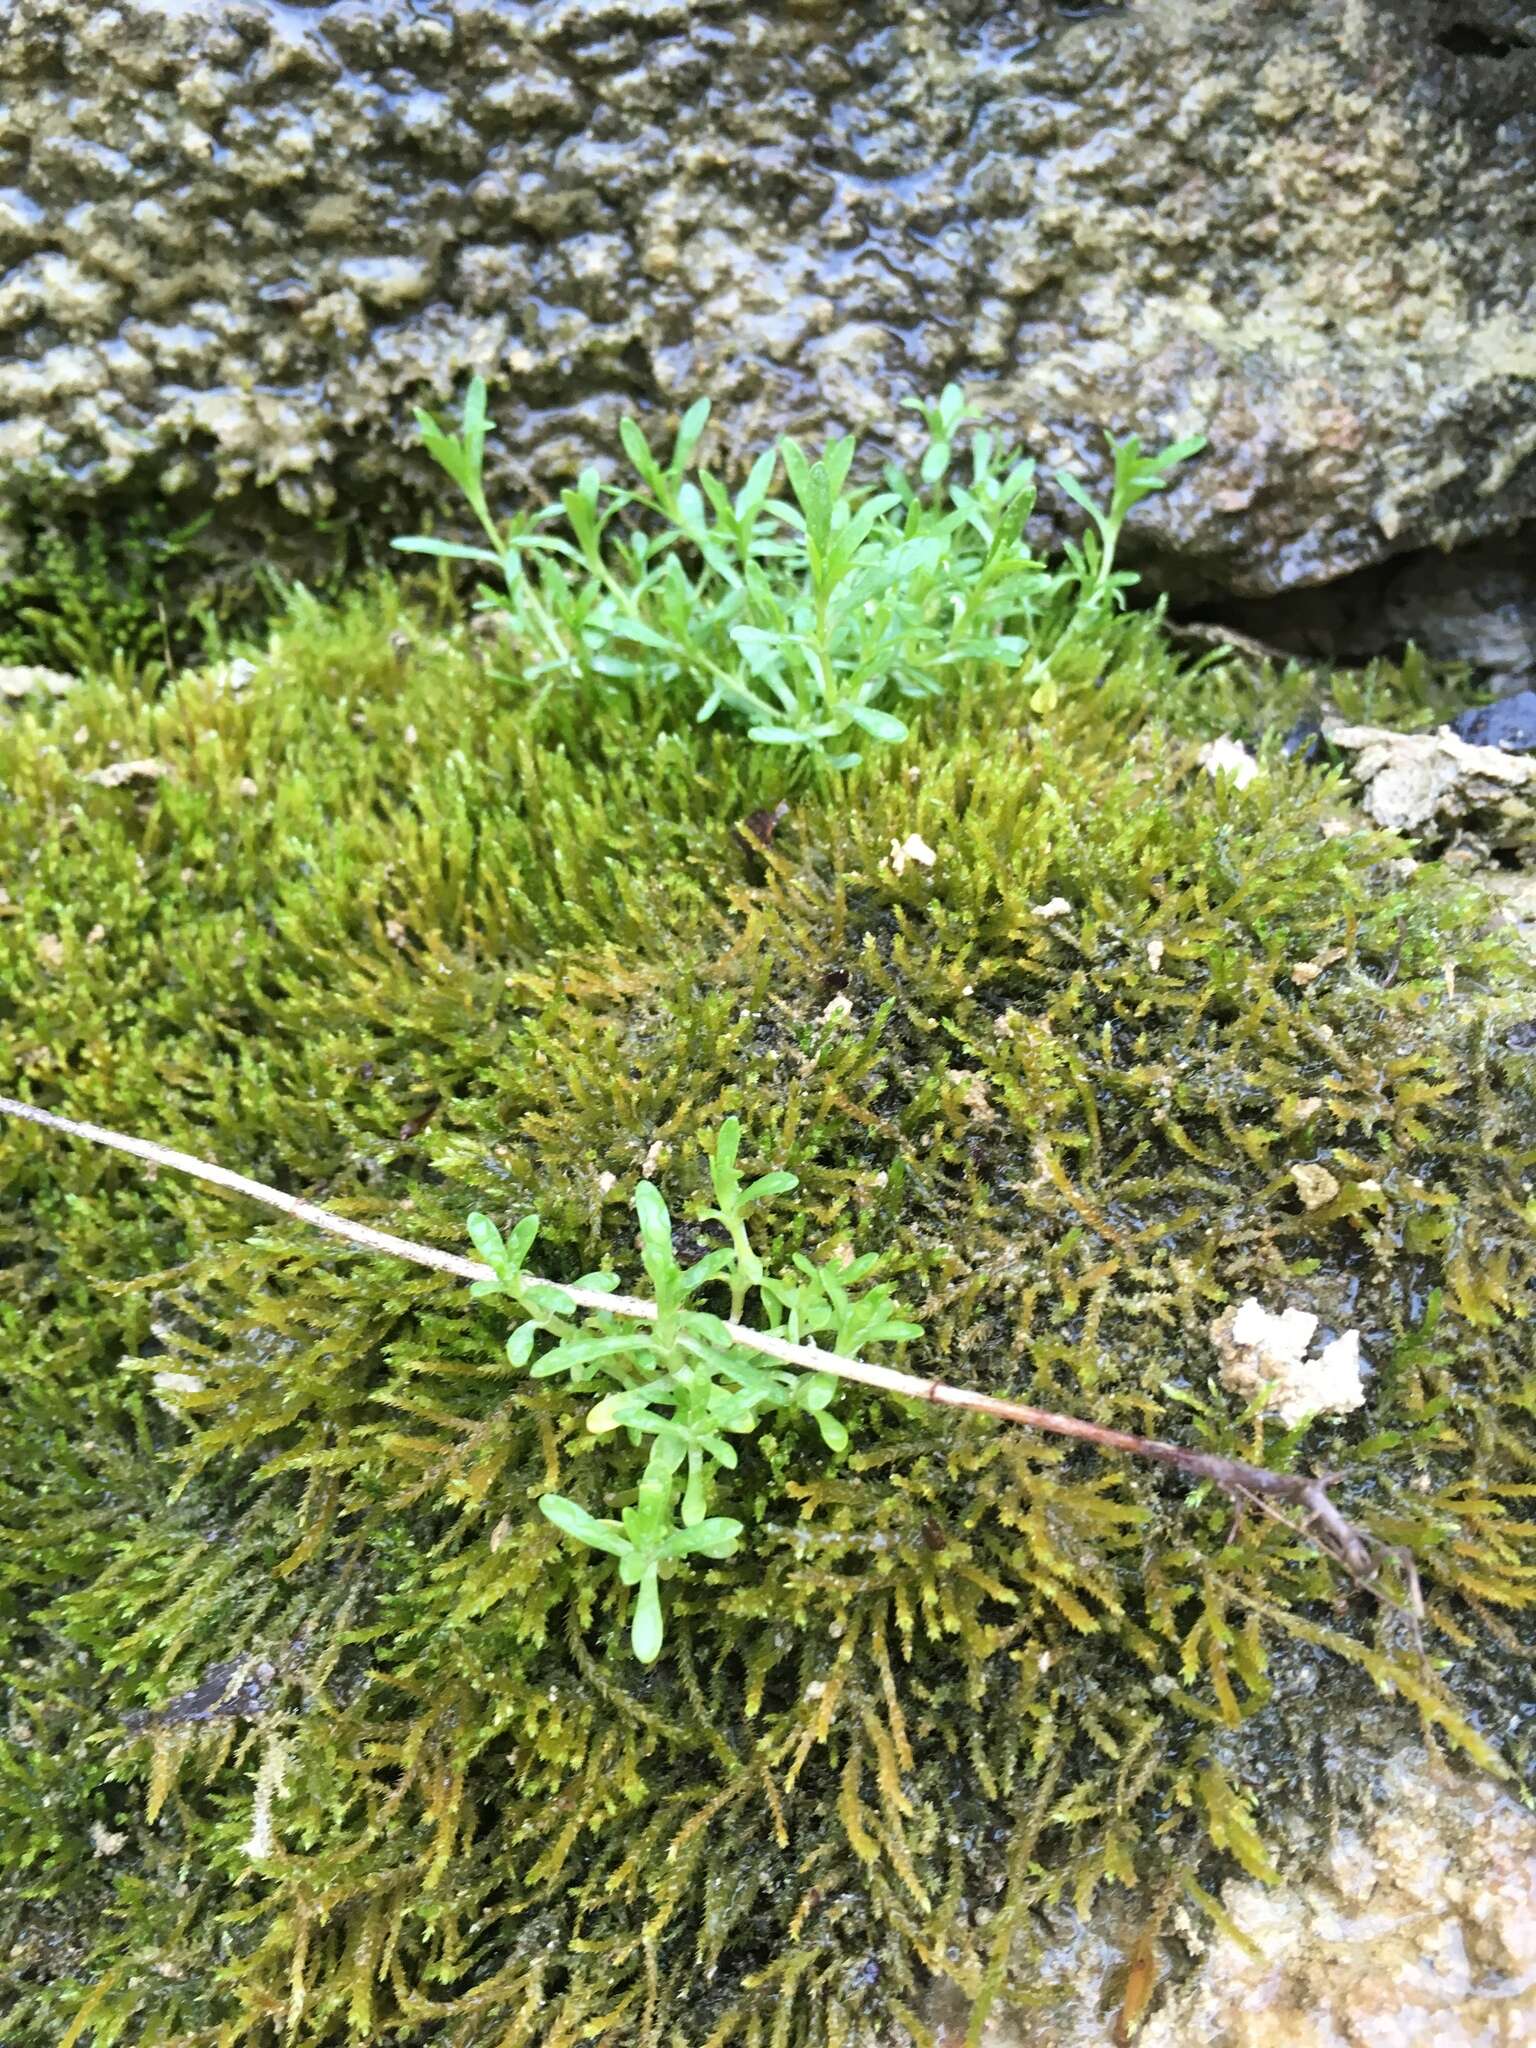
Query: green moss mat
{"type": "Point", "coordinates": [316, 1732]}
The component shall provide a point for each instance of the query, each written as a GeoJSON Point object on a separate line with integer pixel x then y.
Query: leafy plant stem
{"type": "Point", "coordinates": [1322, 1521]}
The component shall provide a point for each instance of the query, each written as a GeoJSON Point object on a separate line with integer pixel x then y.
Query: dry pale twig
{"type": "Point", "coordinates": [1223, 640]}
{"type": "Point", "coordinates": [1321, 1520]}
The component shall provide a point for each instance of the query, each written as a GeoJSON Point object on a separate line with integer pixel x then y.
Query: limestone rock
{"type": "Point", "coordinates": [1418, 1932]}
{"type": "Point", "coordinates": [238, 240]}
{"type": "Point", "coordinates": [1434, 783]}
{"type": "Point", "coordinates": [1412, 1926]}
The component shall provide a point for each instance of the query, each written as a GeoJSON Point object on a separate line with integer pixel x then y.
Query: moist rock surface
{"type": "Point", "coordinates": [1509, 723]}
{"type": "Point", "coordinates": [238, 240]}
{"type": "Point", "coordinates": [1412, 1926]}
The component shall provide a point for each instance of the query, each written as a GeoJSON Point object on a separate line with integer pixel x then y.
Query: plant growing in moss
{"type": "Point", "coordinates": [316, 1731]}
{"type": "Point", "coordinates": [809, 613]}
{"type": "Point", "coordinates": [692, 1377]}
{"type": "Point", "coordinates": [683, 1382]}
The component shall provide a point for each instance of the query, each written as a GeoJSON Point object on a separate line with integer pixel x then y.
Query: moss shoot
{"type": "Point", "coordinates": [317, 1733]}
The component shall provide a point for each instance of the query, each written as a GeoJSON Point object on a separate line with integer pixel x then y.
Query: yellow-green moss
{"type": "Point", "coordinates": [316, 1733]}
{"type": "Point", "coordinates": [131, 593]}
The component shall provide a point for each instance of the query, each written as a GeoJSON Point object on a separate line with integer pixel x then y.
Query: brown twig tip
{"type": "Point", "coordinates": [1321, 1520]}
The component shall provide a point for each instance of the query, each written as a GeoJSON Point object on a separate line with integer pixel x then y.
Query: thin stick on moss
{"type": "Point", "coordinates": [1321, 1519]}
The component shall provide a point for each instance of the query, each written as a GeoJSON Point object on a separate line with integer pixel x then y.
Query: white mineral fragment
{"type": "Point", "coordinates": [1263, 1350]}
{"type": "Point", "coordinates": [913, 847]}
{"type": "Point", "coordinates": [1228, 757]}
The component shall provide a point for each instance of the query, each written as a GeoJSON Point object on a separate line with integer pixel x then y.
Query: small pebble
{"type": "Point", "coordinates": [1510, 724]}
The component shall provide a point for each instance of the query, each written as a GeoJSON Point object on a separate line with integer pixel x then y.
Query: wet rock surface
{"type": "Point", "coordinates": [238, 240]}
{"type": "Point", "coordinates": [1437, 785]}
{"type": "Point", "coordinates": [1417, 1931]}
{"type": "Point", "coordinates": [1413, 1926]}
{"type": "Point", "coordinates": [1510, 723]}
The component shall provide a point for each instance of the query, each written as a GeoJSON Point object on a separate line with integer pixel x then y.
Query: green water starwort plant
{"type": "Point", "coordinates": [810, 609]}
{"type": "Point", "coordinates": [683, 1385]}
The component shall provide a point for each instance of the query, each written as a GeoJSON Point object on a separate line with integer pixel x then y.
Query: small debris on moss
{"type": "Point", "coordinates": [1315, 1185]}
{"type": "Point", "coordinates": [1305, 972]}
{"type": "Point", "coordinates": [915, 848]}
{"type": "Point", "coordinates": [1230, 758]}
{"type": "Point", "coordinates": [22, 680]}
{"type": "Point", "coordinates": [119, 772]}
{"type": "Point", "coordinates": [1267, 1353]}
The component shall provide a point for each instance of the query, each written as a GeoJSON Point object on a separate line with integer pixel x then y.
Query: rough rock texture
{"type": "Point", "coordinates": [1436, 784]}
{"type": "Point", "coordinates": [1476, 605]}
{"type": "Point", "coordinates": [237, 238]}
{"type": "Point", "coordinates": [1419, 1931]}
{"type": "Point", "coordinates": [1415, 1928]}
